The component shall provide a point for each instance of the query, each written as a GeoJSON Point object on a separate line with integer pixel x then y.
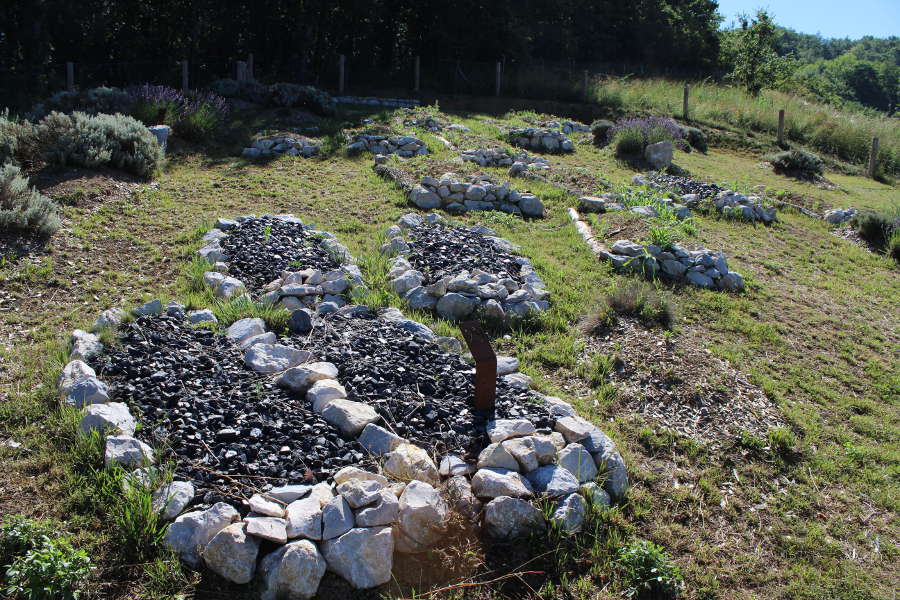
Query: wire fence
{"type": "Point", "coordinates": [353, 75]}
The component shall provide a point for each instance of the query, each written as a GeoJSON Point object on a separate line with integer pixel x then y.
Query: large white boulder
{"type": "Point", "coordinates": [190, 532]}
{"type": "Point", "coordinates": [362, 556]}
{"type": "Point", "coordinates": [293, 571]}
{"type": "Point", "coordinates": [422, 519]}
{"type": "Point", "coordinates": [231, 553]}
{"type": "Point", "coordinates": [508, 518]}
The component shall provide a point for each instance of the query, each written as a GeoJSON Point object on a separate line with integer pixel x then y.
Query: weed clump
{"type": "Point", "coordinates": [637, 299]}
{"type": "Point", "coordinates": [648, 573]}
{"type": "Point", "coordinates": [39, 566]}
{"type": "Point", "coordinates": [23, 208]}
{"type": "Point", "coordinates": [799, 162]}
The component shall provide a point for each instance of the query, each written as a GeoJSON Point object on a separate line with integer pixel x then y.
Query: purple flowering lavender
{"type": "Point", "coordinates": [633, 135]}
{"type": "Point", "coordinates": [193, 115]}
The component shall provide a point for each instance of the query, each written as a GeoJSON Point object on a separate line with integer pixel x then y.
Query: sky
{"type": "Point", "coordinates": [830, 18]}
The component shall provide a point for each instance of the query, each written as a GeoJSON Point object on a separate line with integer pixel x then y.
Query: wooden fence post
{"type": "Point", "coordinates": [417, 67]}
{"type": "Point", "coordinates": [250, 74]}
{"type": "Point", "coordinates": [239, 70]}
{"type": "Point", "coordinates": [184, 77]}
{"type": "Point", "coordinates": [686, 112]}
{"type": "Point", "coordinates": [781, 127]}
{"type": "Point", "coordinates": [587, 91]}
{"type": "Point", "coordinates": [70, 76]}
{"type": "Point", "coordinates": [497, 80]}
{"type": "Point", "coordinates": [342, 60]}
{"type": "Point", "coordinates": [873, 158]}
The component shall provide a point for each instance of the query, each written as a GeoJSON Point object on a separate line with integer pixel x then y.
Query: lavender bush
{"type": "Point", "coordinates": [194, 115]}
{"type": "Point", "coordinates": [631, 136]}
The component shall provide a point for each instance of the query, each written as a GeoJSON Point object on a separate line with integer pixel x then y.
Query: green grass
{"type": "Point", "coordinates": [824, 128]}
{"type": "Point", "coordinates": [775, 518]}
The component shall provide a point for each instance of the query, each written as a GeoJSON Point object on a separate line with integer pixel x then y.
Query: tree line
{"type": "Point", "coordinates": [298, 40]}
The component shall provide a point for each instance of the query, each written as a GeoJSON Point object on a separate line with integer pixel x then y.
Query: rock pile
{"type": "Point", "coordinates": [839, 216]}
{"type": "Point", "coordinates": [282, 260]}
{"type": "Point", "coordinates": [282, 145]}
{"type": "Point", "coordinates": [541, 140]}
{"type": "Point", "coordinates": [610, 202]}
{"type": "Point", "coordinates": [481, 192]}
{"type": "Point", "coordinates": [701, 267]}
{"type": "Point", "coordinates": [498, 157]}
{"type": "Point", "coordinates": [460, 271]}
{"type": "Point", "coordinates": [727, 202]}
{"type": "Point", "coordinates": [739, 206]}
{"type": "Point", "coordinates": [568, 127]}
{"type": "Point", "coordinates": [401, 145]}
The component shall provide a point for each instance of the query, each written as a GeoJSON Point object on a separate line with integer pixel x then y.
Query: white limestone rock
{"type": "Point", "coordinates": [293, 571]}
{"type": "Point", "coordinates": [408, 462]}
{"type": "Point", "coordinates": [231, 554]}
{"type": "Point", "coordinates": [113, 416]}
{"type": "Point", "coordinates": [422, 518]}
{"type": "Point", "coordinates": [362, 556]}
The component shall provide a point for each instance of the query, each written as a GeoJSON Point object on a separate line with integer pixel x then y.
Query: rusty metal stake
{"type": "Point", "coordinates": [485, 365]}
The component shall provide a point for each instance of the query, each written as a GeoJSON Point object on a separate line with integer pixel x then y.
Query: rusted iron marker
{"type": "Point", "coordinates": [485, 365]}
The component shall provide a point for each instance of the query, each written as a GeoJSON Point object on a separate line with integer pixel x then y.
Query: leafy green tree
{"type": "Point", "coordinates": [751, 52]}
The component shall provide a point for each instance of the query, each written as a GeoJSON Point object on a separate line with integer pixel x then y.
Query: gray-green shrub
{"type": "Point", "coordinates": [23, 208]}
{"type": "Point", "coordinates": [278, 94]}
{"type": "Point", "coordinates": [97, 140]}
{"type": "Point", "coordinates": [17, 140]}
{"type": "Point", "coordinates": [600, 129]}
{"type": "Point", "coordinates": [797, 161]}
{"type": "Point", "coordinates": [695, 138]}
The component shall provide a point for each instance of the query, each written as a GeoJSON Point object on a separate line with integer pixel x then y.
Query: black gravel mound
{"type": "Point", "coordinates": [439, 251]}
{"type": "Point", "coordinates": [422, 393]}
{"type": "Point", "coordinates": [231, 430]}
{"type": "Point", "coordinates": [686, 185]}
{"type": "Point", "coordinates": [261, 248]}
{"type": "Point", "coordinates": [220, 418]}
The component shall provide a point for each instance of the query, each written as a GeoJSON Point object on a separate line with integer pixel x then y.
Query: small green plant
{"type": "Point", "coordinates": [662, 236]}
{"type": "Point", "coordinates": [50, 571]}
{"type": "Point", "coordinates": [597, 368]}
{"type": "Point", "coordinates": [648, 573]}
{"type": "Point", "coordinates": [797, 162]}
{"type": "Point", "coordinates": [19, 534]}
{"type": "Point", "coordinates": [267, 232]}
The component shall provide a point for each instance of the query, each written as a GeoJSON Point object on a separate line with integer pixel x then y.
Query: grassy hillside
{"type": "Point", "coordinates": [809, 511]}
{"type": "Point", "coordinates": [847, 135]}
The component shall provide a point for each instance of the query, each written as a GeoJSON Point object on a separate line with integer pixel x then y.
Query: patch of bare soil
{"type": "Point", "coordinates": [679, 385]}
{"type": "Point", "coordinates": [75, 185]}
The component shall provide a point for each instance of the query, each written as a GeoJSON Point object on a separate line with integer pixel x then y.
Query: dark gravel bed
{"type": "Point", "coordinates": [231, 430]}
{"type": "Point", "coordinates": [687, 185]}
{"type": "Point", "coordinates": [422, 393]}
{"type": "Point", "coordinates": [261, 248]}
{"type": "Point", "coordinates": [439, 250]}
{"type": "Point", "coordinates": [220, 419]}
